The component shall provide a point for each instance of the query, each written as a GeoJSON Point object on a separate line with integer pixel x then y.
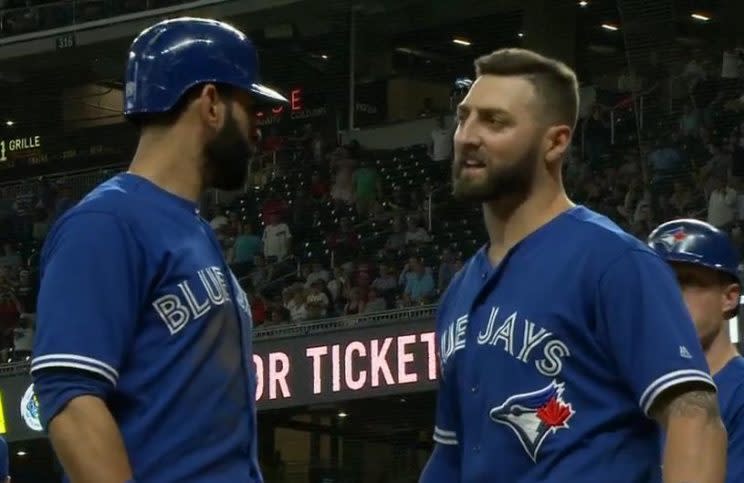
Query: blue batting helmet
{"type": "Point", "coordinates": [172, 56]}
{"type": "Point", "coordinates": [695, 242]}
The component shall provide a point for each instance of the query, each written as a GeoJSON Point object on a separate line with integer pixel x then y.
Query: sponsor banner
{"type": "Point", "coordinates": [352, 363]}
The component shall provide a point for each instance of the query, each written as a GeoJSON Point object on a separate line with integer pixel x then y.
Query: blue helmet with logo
{"type": "Point", "coordinates": [695, 242]}
{"type": "Point", "coordinates": [171, 57]}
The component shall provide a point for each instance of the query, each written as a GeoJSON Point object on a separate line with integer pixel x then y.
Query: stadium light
{"type": "Point", "coordinates": [700, 16]}
{"type": "Point", "coordinates": [520, 34]}
{"type": "Point", "coordinates": [583, 3]}
{"type": "Point", "coordinates": [461, 42]}
{"type": "Point", "coordinates": [324, 57]}
{"type": "Point", "coordinates": [21, 453]}
{"type": "Point", "coordinates": [608, 26]}
{"type": "Point", "coordinates": [9, 123]}
{"type": "Point", "coordinates": [342, 414]}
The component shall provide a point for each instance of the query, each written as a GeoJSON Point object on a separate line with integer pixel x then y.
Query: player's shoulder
{"type": "Point", "coordinates": [730, 379]}
{"type": "Point", "coordinates": [600, 237]}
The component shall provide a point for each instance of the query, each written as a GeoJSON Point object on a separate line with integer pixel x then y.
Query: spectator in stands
{"type": "Point", "coordinates": [440, 144]}
{"type": "Point", "coordinates": [261, 272]}
{"type": "Point", "coordinates": [386, 284]}
{"type": "Point", "coordinates": [722, 204]}
{"type": "Point", "coordinates": [317, 272]}
{"type": "Point", "coordinates": [297, 302]}
{"type": "Point", "coordinates": [375, 303]}
{"type": "Point", "coordinates": [246, 245]}
{"type": "Point", "coordinates": [397, 239]}
{"type": "Point", "coordinates": [65, 201]}
{"type": "Point", "coordinates": [415, 232]}
{"type": "Point", "coordinates": [277, 316]}
{"type": "Point", "coordinates": [26, 292]}
{"type": "Point", "coordinates": [339, 285]}
{"type": "Point", "coordinates": [417, 282]}
{"type": "Point", "coordinates": [366, 187]}
{"type": "Point", "coordinates": [277, 239]}
{"type": "Point", "coordinates": [23, 338]}
{"type": "Point", "coordinates": [342, 190]}
{"type": "Point", "coordinates": [354, 304]}
{"type": "Point", "coordinates": [317, 301]}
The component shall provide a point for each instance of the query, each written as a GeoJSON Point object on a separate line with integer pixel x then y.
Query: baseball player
{"type": "Point", "coordinates": [706, 262]}
{"type": "Point", "coordinates": [142, 359]}
{"type": "Point", "coordinates": [564, 342]}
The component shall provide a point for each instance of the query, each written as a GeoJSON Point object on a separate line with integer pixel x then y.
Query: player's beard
{"type": "Point", "coordinates": [510, 182]}
{"type": "Point", "coordinates": [228, 156]}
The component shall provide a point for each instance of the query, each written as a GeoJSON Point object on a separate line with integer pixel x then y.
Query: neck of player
{"type": "Point", "coordinates": [720, 351]}
{"type": "Point", "coordinates": [508, 222]}
{"type": "Point", "coordinates": [171, 161]}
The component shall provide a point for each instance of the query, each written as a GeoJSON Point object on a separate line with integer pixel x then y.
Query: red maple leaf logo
{"type": "Point", "coordinates": [679, 235]}
{"type": "Point", "coordinates": [554, 413]}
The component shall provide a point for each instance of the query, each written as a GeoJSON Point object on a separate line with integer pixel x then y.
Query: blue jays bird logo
{"type": "Point", "coordinates": [673, 238]}
{"type": "Point", "coordinates": [535, 415]}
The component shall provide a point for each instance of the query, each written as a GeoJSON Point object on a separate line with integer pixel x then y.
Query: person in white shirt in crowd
{"type": "Point", "coordinates": [440, 142]}
{"type": "Point", "coordinates": [415, 233]}
{"type": "Point", "coordinates": [277, 239]}
{"type": "Point", "coordinates": [23, 337]}
{"type": "Point", "coordinates": [722, 204]}
{"type": "Point", "coordinates": [339, 284]}
{"type": "Point", "coordinates": [316, 299]}
{"type": "Point", "coordinates": [297, 304]}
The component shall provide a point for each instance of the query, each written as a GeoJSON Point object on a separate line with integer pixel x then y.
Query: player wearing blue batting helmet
{"type": "Point", "coordinates": [706, 262]}
{"type": "Point", "coordinates": [144, 335]}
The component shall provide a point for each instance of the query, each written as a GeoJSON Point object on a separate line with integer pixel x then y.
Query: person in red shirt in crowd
{"type": "Point", "coordinates": [274, 205]}
{"type": "Point", "coordinates": [258, 308]}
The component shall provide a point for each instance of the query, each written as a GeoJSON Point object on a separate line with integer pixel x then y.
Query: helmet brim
{"type": "Point", "coordinates": [267, 95]}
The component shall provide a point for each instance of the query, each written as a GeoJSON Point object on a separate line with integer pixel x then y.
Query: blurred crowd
{"type": "Point", "coordinates": [327, 230]}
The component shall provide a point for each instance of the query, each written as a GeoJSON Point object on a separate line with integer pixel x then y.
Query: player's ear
{"type": "Point", "coordinates": [211, 106]}
{"type": "Point", "coordinates": [557, 142]}
{"type": "Point", "coordinates": [730, 297]}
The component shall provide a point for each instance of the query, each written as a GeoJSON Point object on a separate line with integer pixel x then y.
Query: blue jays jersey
{"type": "Point", "coordinates": [551, 360]}
{"type": "Point", "coordinates": [730, 383]}
{"type": "Point", "coordinates": [135, 291]}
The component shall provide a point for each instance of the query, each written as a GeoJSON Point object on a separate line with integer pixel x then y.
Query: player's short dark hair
{"type": "Point", "coordinates": [555, 83]}
{"type": "Point", "coordinates": [170, 117]}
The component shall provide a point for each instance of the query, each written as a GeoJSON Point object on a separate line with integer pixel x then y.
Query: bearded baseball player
{"type": "Point", "coordinates": [564, 342]}
{"type": "Point", "coordinates": [142, 360]}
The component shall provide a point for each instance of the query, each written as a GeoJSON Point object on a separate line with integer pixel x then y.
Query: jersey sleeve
{"type": "Point", "coordinates": [90, 296]}
{"type": "Point", "coordinates": [735, 431]}
{"type": "Point", "coordinates": [446, 426]}
{"type": "Point", "coordinates": [644, 322]}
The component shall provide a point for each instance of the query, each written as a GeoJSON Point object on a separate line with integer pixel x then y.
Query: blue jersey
{"type": "Point", "coordinates": [136, 292]}
{"type": "Point", "coordinates": [551, 360]}
{"type": "Point", "coordinates": [730, 382]}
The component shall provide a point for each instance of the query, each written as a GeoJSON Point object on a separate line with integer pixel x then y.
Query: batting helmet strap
{"type": "Point", "coordinates": [695, 242]}
{"type": "Point", "coordinates": [169, 58]}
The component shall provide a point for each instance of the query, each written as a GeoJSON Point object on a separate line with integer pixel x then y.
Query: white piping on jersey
{"type": "Point", "coordinates": [444, 437]}
{"type": "Point", "coordinates": [666, 381]}
{"type": "Point", "coordinates": [77, 362]}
